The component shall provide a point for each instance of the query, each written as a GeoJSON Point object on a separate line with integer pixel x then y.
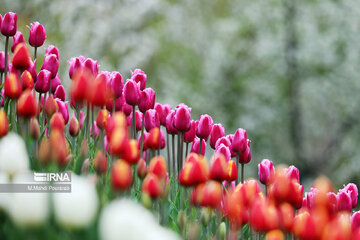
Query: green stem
{"type": "Point", "coordinates": [242, 173]}
{"type": "Point", "coordinates": [200, 148]}
{"type": "Point", "coordinates": [133, 124]}
{"type": "Point", "coordinates": [173, 153]}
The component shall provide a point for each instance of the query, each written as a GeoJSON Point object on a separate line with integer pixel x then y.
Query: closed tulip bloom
{"type": "Point", "coordinates": [9, 24]}
{"type": "Point", "coordinates": [170, 123]}
{"type": "Point", "coordinates": [152, 186]}
{"type": "Point", "coordinates": [27, 104]}
{"type": "Point", "coordinates": [189, 136]}
{"type": "Point", "coordinates": [223, 140]}
{"type": "Point", "coordinates": [57, 122]}
{"type": "Point", "coordinates": [138, 120]}
{"type": "Point", "coordinates": [74, 127]}
{"type": "Point", "coordinates": [100, 163]}
{"type": "Point", "coordinates": [32, 70]}
{"type": "Point", "coordinates": [91, 65]}
{"type": "Point", "coordinates": [27, 80]}
{"type": "Point", "coordinates": [266, 171]}
{"type": "Point", "coordinates": [52, 50]}
{"type": "Point", "coordinates": [81, 85]}
{"type": "Point", "coordinates": [34, 128]}
{"type": "Point", "coordinates": [355, 221]}
{"type": "Point", "coordinates": [293, 173]}
{"type": "Point", "coordinates": [217, 131]}
{"type": "Point", "coordinates": [224, 150]}
{"type": "Point", "coordinates": [132, 92]}
{"type": "Point", "coordinates": [63, 109]}
{"type": "Point", "coordinates": [131, 153]}
{"type": "Point", "coordinates": [0, 21]}
{"type": "Point", "coordinates": [4, 123]}
{"type": "Point", "coordinates": [352, 188]}
{"type": "Point", "coordinates": [158, 167]}
{"type": "Point", "coordinates": [219, 168]}
{"type": "Point", "coordinates": [74, 65]}
{"type": "Point", "coordinates": [153, 140]}
{"type": "Point", "coordinates": [196, 145]}
{"type": "Point", "coordinates": [102, 118]}
{"type": "Point", "coordinates": [51, 63]}
{"type": "Point", "coordinates": [42, 84]}
{"type": "Point", "coordinates": [37, 34]}
{"type": "Point", "coordinates": [151, 120]}
{"type": "Point", "coordinates": [139, 76]}
{"type": "Point", "coordinates": [50, 106]}
{"type": "Point", "coordinates": [147, 100]}
{"type": "Point", "coordinates": [239, 141]}
{"type": "Point", "coordinates": [60, 92]}
{"type": "Point", "coordinates": [163, 111]}
{"type": "Point", "coordinates": [204, 127]}
{"type": "Point", "coordinates": [21, 59]}
{"type": "Point", "coordinates": [55, 82]}
{"type": "Point", "coordinates": [117, 84]}
{"type": "Point", "coordinates": [12, 88]}
{"type": "Point", "coordinates": [17, 38]}
{"type": "Point", "coordinates": [344, 201]}
{"type": "Point", "coordinates": [245, 157]}
{"type": "Point", "coordinates": [233, 173]}
{"type": "Point", "coordinates": [182, 119]}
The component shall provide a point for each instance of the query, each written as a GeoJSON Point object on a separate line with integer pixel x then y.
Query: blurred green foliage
{"type": "Point", "coordinates": [229, 59]}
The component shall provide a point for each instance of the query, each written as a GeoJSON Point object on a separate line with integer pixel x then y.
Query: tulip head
{"type": "Point", "coordinates": [102, 118]}
{"type": "Point", "coordinates": [163, 111]}
{"type": "Point", "coordinates": [141, 168]}
{"type": "Point", "coordinates": [131, 153]}
{"type": "Point", "coordinates": [225, 151]}
{"type": "Point", "coordinates": [344, 200]}
{"type": "Point", "coordinates": [132, 92]}
{"type": "Point", "coordinates": [139, 76]}
{"type": "Point", "coordinates": [152, 186]}
{"type": "Point", "coordinates": [352, 188]}
{"type": "Point", "coordinates": [9, 24]}
{"type": "Point", "coordinates": [17, 38]}
{"type": "Point", "coordinates": [51, 106]}
{"type": "Point", "coordinates": [147, 100]}
{"type": "Point", "coordinates": [219, 168]}
{"type": "Point", "coordinates": [217, 131]}
{"type": "Point", "coordinates": [74, 127]}
{"type": "Point", "coordinates": [170, 123]}
{"type": "Point", "coordinates": [121, 175]}
{"type": "Point", "coordinates": [189, 136]}
{"type": "Point", "coordinates": [12, 88]}
{"type": "Point", "coordinates": [37, 34]}
{"type": "Point", "coordinates": [182, 119]}
{"type": "Point", "coordinates": [57, 122]}
{"type": "Point", "coordinates": [195, 148]}
{"type": "Point", "coordinates": [27, 104]}
{"type": "Point", "coordinates": [4, 123]}
{"type": "Point", "coordinates": [293, 173]}
{"type": "Point", "coordinates": [42, 84]}
{"type": "Point", "coordinates": [51, 63]}
{"type": "Point", "coordinates": [204, 126]}
{"type": "Point", "coordinates": [21, 59]}
{"type": "Point", "coordinates": [233, 172]}
{"type": "Point", "coordinates": [52, 50]}
{"type": "Point", "coordinates": [266, 171]}
{"type": "Point", "coordinates": [239, 141]}
{"type": "Point", "coordinates": [151, 120]}
{"type": "Point", "coordinates": [27, 81]}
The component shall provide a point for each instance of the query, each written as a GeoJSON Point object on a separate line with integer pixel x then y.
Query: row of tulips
{"type": "Point", "coordinates": [117, 135]}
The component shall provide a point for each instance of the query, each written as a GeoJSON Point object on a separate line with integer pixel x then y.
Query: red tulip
{"type": "Point", "coordinates": [194, 171]}
{"type": "Point", "coordinates": [9, 24]}
{"type": "Point", "coordinates": [263, 216]}
{"type": "Point", "coordinates": [4, 123]}
{"type": "Point", "coordinates": [233, 172]}
{"type": "Point", "coordinates": [37, 34]}
{"type": "Point", "coordinates": [34, 128]}
{"type": "Point", "coordinates": [12, 88]}
{"type": "Point", "coordinates": [219, 168]}
{"type": "Point", "coordinates": [27, 80]}
{"type": "Point", "coordinates": [81, 85]}
{"type": "Point", "coordinates": [27, 104]}
{"type": "Point", "coordinates": [152, 186]}
{"type": "Point", "coordinates": [131, 152]}
{"type": "Point", "coordinates": [141, 168]}
{"type": "Point", "coordinates": [158, 167]}
{"type": "Point", "coordinates": [51, 106]}
{"type": "Point", "coordinates": [21, 59]}
{"type": "Point", "coordinates": [100, 162]}
{"type": "Point", "coordinates": [118, 141]}
{"type": "Point", "coordinates": [121, 175]}
{"type": "Point", "coordinates": [74, 127]}
{"type": "Point", "coordinates": [102, 118]}
{"type": "Point", "coordinates": [57, 122]}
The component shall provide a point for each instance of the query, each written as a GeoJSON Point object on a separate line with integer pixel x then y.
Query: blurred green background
{"type": "Point", "coordinates": [285, 70]}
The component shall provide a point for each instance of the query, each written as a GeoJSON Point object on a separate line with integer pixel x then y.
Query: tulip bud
{"type": "Point", "coordinates": [121, 175]}
{"type": "Point", "coordinates": [100, 91]}
{"type": "Point", "coordinates": [91, 65]}
{"type": "Point", "coordinates": [74, 65]}
{"type": "Point", "coordinates": [152, 186]}
{"type": "Point", "coordinates": [52, 50]}
{"type": "Point", "coordinates": [245, 157]}
{"type": "Point", "coordinates": [132, 92]}
{"type": "Point", "coordinates": [147, 100]}
{"type": "Point", "coordinates": [223, 140]}
{"type": "Point", "coordinates": [182, 119]}
{"type": "Point", "coordinates": [151, 120]}
{"type": "Point", "coordinates": [27, 104]}
{"type": "Point", "coordinates": [21, 59]}
{"type": "Point", "coordinates": [263, 216]}
{"type": "Point", "coordinates": [32, 70]}
{"type": "Point", "coordinates": [274, 235]}
{"type": "Point", "coordinates": [139, 76]}
{"type": "Point", "coordinates": [74, 126]}
{"type": "Point", "coordinates": [51, 106]}
{"type": "Point", "coordinates": [17, 38]}
{"type": "Point", "coordinates": [63, 109]}
{"type": "Point", "coordinates": [141, 168]}
{"type": "Point", "coordinates": [344, 201]}
{"type": "Point", "coordinates": [102, 118]}
{"type": "Point", "coordinates": [189, 136]}
{"type": "Point", "coordinates": [193, 231]}
{"type": "Point", "coordinates": [196, 146]}
{"type": "Point", "coordinates": [37, 34]}
{"type": "Point", "coordinates": [57, 122]}
{"type": "Point", "coordinates": [42, 84]}
{"type": "Point", "coordinates": [239, 142]}
{"type": "Point", "coordinates": [4, 123]}
{"type": "Point", "coordinates": [170, 123]}
{"type": "Point", "coordinates": [34, 128]}
{"type": "Point", "coordinates": [84, 149]}
{"type": "Point", "coordinates": [233, 172]}
{"type": "Point", "coordinates": [194, 171]}
{"type": "Point", "coordinates": [9, 24]}
{"type": "Point", "coordinates": [266, 171]}
{"type": "Point", "coordinates": [222, 149]}
{"type": "Point", "coordinates": [352, 188]}
{"type": "Point", "coordinates": [131, 152]}
{"type": "Point", "coordinates": [158, 167]}
{"type": "Point", "coordinates": [219, 168]}
{"type": "Point", "coordinates": [222, 230]}
{"type": "Point", "coordinates": [146, 201]}
{"type": "Point", "coordinates": [218, 131]}
{"type": "Point", "coordinates": [100, 162]}
{"type": "Point", "coordinates": [118, 141]}
{"type": "Point", "coordinates": [293, 173]}
{"type": "Point", "coordinates": [44, 153]}
{"type": "Point", "coordinates": [12, 88]}
{"type": "Point", "coordinates": [117, 84]}
{"type": "Point", "coordinates": [55, 82]}
{"type": "Point", "coordinates": [60, 92]}
{"type": "Point", "coordinates": [27, 80]}
{"type": "Point", "coordinates": [204, 127]}
{"type": "Point", "coordinates": [51, 63]}
{"type": "Point", "coordinates": [153, 140]}
{"type": "Point", "coordinates": [85, 166]}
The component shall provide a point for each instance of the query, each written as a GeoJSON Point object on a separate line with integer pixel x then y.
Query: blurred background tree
{"type": "Point", "coordinates": [285, 70]}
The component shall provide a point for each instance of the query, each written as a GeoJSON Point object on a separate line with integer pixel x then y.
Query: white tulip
{"type": "Point", "coordinates": [4, 197]}
{"type": "Point", "coordinates": [78, 208]}
{"type": "Point", "coordinates": [126, 219]}
{"type": "Point", "coordinates": [28, 209]}
{"type": "Point", "coordinates": [13, 155]}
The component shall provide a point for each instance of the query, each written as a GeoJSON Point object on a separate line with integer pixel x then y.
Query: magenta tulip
{"type": "Point", "coordinates": [17, 38]}
{"type": "Point", "coordinates": [60, 92]}
{"type": "Point", "coordinates": [245, 157]}
{"type": "Point", "coordinates": [353, 190]}
{"type": "Point", "coordinates": [170, 123]}
{"type": "Point", "coordinates": [266, 171]}
{"type": "Point", "coordinates": [55, 82]}
{"type": "Point", "coordinates": [224, 150]}
{"type": "Point", "coordinates": [239, 141]}
{"type": "Point", "coordinates": [196, 146]}
{"type": "Point", "coordinates": [32, 70]}
{"type": "Point", "coordinates": [132, 92]}
{"type": "Point", "coordinates": [37, 34]}
{"type": "Point", "coordinates": [189, 136]}
{"type": "Point", "coordinates": [204, 127]}
{"type": "Point", "coordinates": [2, 61]}
{"type": "Point", "coordinates": [117, 84]}
{"type": "Point", "coordinates": [52, 50]}
{"type": "Point", "coordinates": [9, 24]}
{"type": "Point", "coordinates": [91, 65]}
{"type": "Point", "coordinates": [217, 131]}
{"type": "Point", "coordinates": [293, 173]}
{"type": "Point", "coordinates": [139, 76]}
{"type": "Point", "coordinates": [42, 84]}
{"type": "Point", "coordinates": [344, 201]}
{"type": "Point", "coordinates": [147, 100]}
{"type": "Point", "coordinates": [51, 63]}
{"type": "Point", "coordinates": [355, 221]}
{"type": "Point", "coordinates": [151, 119]}
{"type": "Point", "coordinates": [182, 119]}
{"type": "Point", "coordinates": [63, 109]}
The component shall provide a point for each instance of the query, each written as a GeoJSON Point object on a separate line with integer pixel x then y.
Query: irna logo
{"type": "Point", "coordinates": [52, 177]}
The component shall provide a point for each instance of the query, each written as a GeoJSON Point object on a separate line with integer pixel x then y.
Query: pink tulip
{"type": "Point", "coordinates": [239, 141]}
{"type": "Point", "coordinates": [37, 34]}
{"type": "Point", "coordinates": [293, 173]}
{"type": "Point", "coordinates": [55, 82]}
{"type": "Point", "coordinates": [224, 150]}
{"type": "Point", "coordinates": [196, 145]}
{"type": "Point", "coordinates": [223, 140]}
{"type": "Point", "coordinates": [52, 50]}
{"type": "Point", "coordinates": [182, 119]}
{"type": "Point", "coordinates": [353, 190]}
{"type": "Point", "coordinates": [163, 111]}
{"type": "Point", "coordinates": [147, 100]}
{"type": "Point", "coordinates": [245, 157]}
{"type": "Point", "coordinates": [332, 202]}
{"type": "Point", "coordinates": [17, 38]}
{"type": "Point", "coordinates": [139, 76]}
{"type": "Point", "coordinates": [344, 201]}
{"type": "Point", "coordinates": [189, 136]}
{"type": "Point", "coordinates": [32, 70]}
{"type": "Point", "coordinates": [132, 92]}
{"type": "Point", "coordinates": [170, 123]}
{"type": "Point", "coordinates": [9, 24]}
{"type": "Point", "coordinates": [0, 21]}
{"type": "Point", "coordinates": [266, 171]}
{"type": "Point", "coordinates": [205, 126]}
{"type": "Point", "coordinates": [2, 61]}
{"type": "Point", "coordinates": [355, 221]}
{"type": "Point", "coordinates": [42, 83]}
{"type": "Point", "coordinates": [60, 92]}
{"type": "Point", "coordinates": [63, 109]}
{"type": "Point", "coordinates": [91, 65]}
{"type": "Point", "coordinates": [117, 84]}
{"type": "Point", "coordinates": [183, 105]}
{"type": "Point", "coordinates": [75, 64]}
{"type": "Point", "coordinates": [151, 119]}
{"type": "Point", "coordinates": [96, 129]}
{"type": "Point", "coordinates": [310, 197]}
{"type": "Point", "coordinates": [138, 120]}
{"type": "Point", "coordinates": [217, 131]}
{"type": "Point", "coordinates": [51, 63]}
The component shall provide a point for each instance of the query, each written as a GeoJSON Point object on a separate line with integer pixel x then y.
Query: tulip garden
{"type": "Point", "coordinates": [138, 167]}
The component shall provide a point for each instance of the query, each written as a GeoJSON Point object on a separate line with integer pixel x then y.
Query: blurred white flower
{"type": "Point", "coordinates": [78, 208]}
{"type": "Point", "coordinates": [13, 155]}
{"type": "Point", "coordinates": [28, 209]}
{"type": "Point", "coordinates": [126, 219]}
{"type": "Point", "coordinates": [4, 197]}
